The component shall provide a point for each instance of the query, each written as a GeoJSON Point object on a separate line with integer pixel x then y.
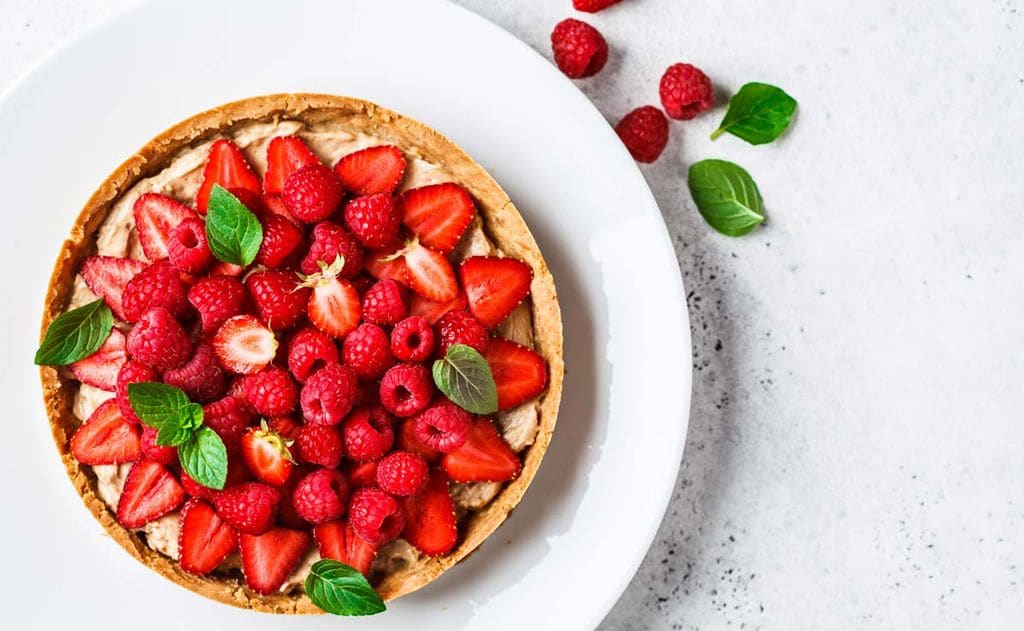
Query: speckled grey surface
{"type": "Point", "coordinates": [856, 438]}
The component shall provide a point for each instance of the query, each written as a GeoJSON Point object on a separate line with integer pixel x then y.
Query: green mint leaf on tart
{"type": "Point", "coordinates": [75, 335]}
{"type": "Point", "coordinates": [233, 232]}
{"type": "Point", "coordinates": [758, 113]}
{"type": "Point", "coordinates": [726, 197]}
{"type": "Point", "coordinates": [167, 409]}
{"type": "Point", "coordinates": [342, 590]}
{"type": "Point", "coordinates": [204, 458]}
{"type": "Point", "coordinates": [464, 376]}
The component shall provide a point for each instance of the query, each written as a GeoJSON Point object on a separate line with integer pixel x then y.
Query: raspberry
{"type": "Point", "coordinates": [271, 391]}
{"type": "Point", "coordinates": [328, 394]}
{"type": "Point", "coordinates": [195, 489]}
{"type": "Point", "coordinates": [443, 426]}
{"type": "Point", "coordinates": [367, 393]}
{"type": "Point", "coordinates": [644, 131]}
{"type": "Point", "coordinates": [593, 6]}
{"type": "Point", "coordinates": [249, 508]}
{"type": "Point", "coordinates": [368, 434]}
{"type": "Point", "coordinates": [228, 417]}
{"type": "Point", "coordinates": [153, 451]}
{"type": "Point", "coordinates": [402, 473]}
{"type": "Point", "coordinates": [374, 219]}
{"type": "Point", "coordinates": [408, 441]}
{"type": "Point", "coordinates": [279, 299]}
{"type": "Point", "coordinates": [366, 350]}
{"type": "Point", "coordinates": [406, 389]}
{"type": "Point", "coordinates": [285, 426]}
{"type": "Point", "coordinates": [329, 242]}
{"type": "Point", "coordinates": [579, 49]}
{"type": "Point", "coordinates": [159, 285]}
{"type": "Point", "coordinates": [375, 516]}
{"type": "Point", "coordinates": [412, 339]}
{"type": "Point", "coordinates": [158, 340]}
{"type": "Point", "coordinates": [217, 298]}
{"type": "Point", "coordinates": [320, 444]}
{"type": "Point", "coordinates": [385, 303]}
{"type": "Point", "coordinates": [201, 377]}
{"type": "Point", "coordinates": [320, 496]}
{"type": "Point", "coordinates": [282, 241]}
{"type": "Point", "coordinates": [286, 512]}
{"type": "Point", "coordinates": [308, 351]}
{"type": "Point", "coordinates": [312, 193]}
{"type": "Point", "coordinates": [132, 372]}
{"type": "Point", "coordinates": [187, 248]}
{"type": "Point", "coordinates": [685, 91]}
{"type": "Point", "coordinates": [460, 327]}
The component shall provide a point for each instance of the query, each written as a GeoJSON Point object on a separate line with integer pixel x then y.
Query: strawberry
{"type": "Point", "coordinates": [432, 311]}
{"type": "Point", "coordinates": [250, 507]}
{"type": "Point", "coordinates": [155, 217]}
{"type": "Point", "coordinates": [437, 214]}
{"type": "Point", "coordinates": [243, 345]}
{"type": "Point", "coordinates": [107, 276]}
{"type": "Point", "coordinates": [408, 441]}
{"type": "Point", "coordinates": [519, 372]}
{"type": "Point", "coordinates": [494, 286]}
{"type": "Point", "coordinates": [204, 539]}
{"type": "Point", "coordinates": [162, 454]}
{"type": "Point", "coordinates": [227, 166]}
{"type": "Point", "coordinates": [100, 369]}
{"type": "Point", "coordinates": [427, 272]}
{"type": "Point", "coordinates": [278, 297]}
{"type": "Point", "coordinates": [362, 474]}
{"type": "Point", "coordinates": [150, 491]}
{"type": "Point", "coordinates": [106, 437]}
{"type": "Point", "coordinates": [430, 523]}
{"type": "Point", "coordinates": [593, 6]}
{"type": "Point", "coordinates": [371, 170]}
{"type": "Point", "coordinates": [268, 559]}
{"type": "Point", "coordinates": [282, 242]}
{"type": "Point", "coordinates": [484, 457]}
{"type": "Point", "coordinates": [285, 155]}
{"type": "Point", "coordinates": [266, 454]}
{"type": "Point", "coordinates": [336, 540]}
{"type": "Point", "coordinates": [330, 241]}
{"type": "Point", "coordinates": [334, 305]}
{"type": "Point", "coordinates": [388, 264]}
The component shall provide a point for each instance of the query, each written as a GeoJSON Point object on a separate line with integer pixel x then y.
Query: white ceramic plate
{"type": "Point", "coordinates": [564, 557]}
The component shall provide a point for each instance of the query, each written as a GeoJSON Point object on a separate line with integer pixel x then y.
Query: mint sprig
{"type": "Point", "coordinates": [726, 197]}
{"type": "Point", "coordinates": [464, 376]}
{"type": "Point", "coordinates": [75, 335]}
{"type": "Point", "coordinates": [204, 457]}
{"type": "Point", "coordinates": [342, 590]}
{"type": "Point", "coordinates": [758, 113]}
{"type": "Point", "coordinates": [233, 232]}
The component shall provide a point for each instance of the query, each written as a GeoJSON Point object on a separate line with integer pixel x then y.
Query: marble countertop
{"type": "Point", "coordinates": [856, 437]}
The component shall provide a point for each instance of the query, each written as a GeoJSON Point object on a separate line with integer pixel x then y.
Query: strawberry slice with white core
{"type": "Point", "coordinates": [334, 305]}
{"type": "Point", "coordinates": [268, 559]}
{"type": "Point", "coordinates": [155, 216]}
{"type": "Point", "coordinates": [494, 286]}
{"type": "Point", "coordinates": [150, 492]}
{"type": "Point", "coordinates": [285, 155]}
{"type": "Point", "coordinates": [372, 170]}
{"type": "Point", "coordinates": [226, 165]}
{"type": "Point", "coordinates": [437, 214]}
{"type": "Point", "coordinates": [244, 345]}
{"type": "Point", "coordinates": [107, 277]}
{"type": "Point", "coordinates": [100, 369]}
{"type": "Point", "coordinates": [204, 539]}
{"type": "Point", "coordinates": [106, 438]}
{"type": "Point", "coordinates": [427, 271]}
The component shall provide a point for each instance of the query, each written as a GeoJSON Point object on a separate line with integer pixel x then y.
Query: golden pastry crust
{"type": "Point", "coordinates": [502, 224]}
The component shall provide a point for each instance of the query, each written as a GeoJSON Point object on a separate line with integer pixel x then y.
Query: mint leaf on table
{"type": "Point", "coordinates": [758, 113]}
{"type": "Point", "coordinates": [233, 232]}
{"type": "Point", "coordinates": [464, 376]}
{"type": "Point", "coordinates": [342, 590]}
{"type": "Point", "coordinates": [204, 457]}
{"type": "Point", "coordinates": [167, 409]}
{"type": "Point", "coordinates": [726, 197]}
{"type": "Point", "coordinates": [75, 335]}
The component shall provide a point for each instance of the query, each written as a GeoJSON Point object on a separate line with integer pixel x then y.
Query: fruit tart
{"type": "Point", "coordinates": [301, 353]}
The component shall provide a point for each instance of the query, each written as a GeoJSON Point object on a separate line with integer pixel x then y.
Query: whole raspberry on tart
{"type": "Point", "coordinates": [271, 358]}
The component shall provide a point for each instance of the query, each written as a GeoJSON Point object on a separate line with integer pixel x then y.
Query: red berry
{"type": "Point", "coordinates": [308, 351]}
{"type": "Point", "coordinates": [159, 285]}
{"type": "Point", "coordinates": [320, 496]}
{"type": "Point", "coordinates": [205, 539]}
{"type": "Point", "coordinates": [412, 340]}
{"type": "Point", "coordinates": [367, 433]}
{"type": "Point", "coordinates": [249, 507]}
{"type": "Point", "coordinates": [579, 49]}
{"type": "Point", "coordinates": [312, 193]}
{"type": "Point", "coordinates": [593, 6]}
{"type": "Point", "coordinates": [406, 389]}
{"type": "Point", "coordinates": [106, 437]}
{"type": "Point", "coordinates": [201, 377]}
{"type": "Point", "coordinates": [150, 491]}
{"type": "Point", "coordinates": [460, 327]}
{"type": "Point", "coordinates": [329, 242]}
{"type": "Point", "coordinates": [286, 426]}
{"type": "Point", "coordinates": [483, 457]}
{"type": "Point", "coordinates": [187, 248]}
{"type": "Point", "coordinates": [271, 391]}
{"type": "Point", "coordinates": [367, 351]}
{"type": "Point", "coordinates": [279, 299]}
{"type": "Point", "coordinates": [320, 444]}
{"type": "Point", "coordinates": [644, 131]}
{"type": "Point", "coordinates": [228, 417]}
{"type": "Point", "coordinates": [371, 170]}
{"type": "Point", "coordinates": [100, 369]}
{"type": "Point", "coordinates": [494, 286]}
{"type": "Point", "coordinates": [402, 473]}
{"type": "Point", "coordinates": [153, 451]}
{"type": "Point", "coordinates": [217, 298]}
{"type": "Point", "coordinates": [282, 242]}
{"type": "Point", "coordinates": [328, 394]}
{"type": "Point", "coordinates": [155, 217]}
{"type": "Point", "coordinates": [195, 489]}
{"type": "Point", "coordinates": [266, 455]}
{"type": "Point", "coordinates": [158, 340]}
{"type": "Point", "coordinates": [285, 155]}
{"type": "Point", "coordinates": [443, 426]}
{"type": "Point", "coordinates": [226, 165]}
{"type": "Point", "coordinates": [520, 373]}
{"type": "Point", "coordinates": [375, 516]}
{"type": "Point", "coordinates": [132, 372]}
{"type": "Point", "coordinates": [374, 219]}
{"type": "Point", "coordinates": [385, 303]}
{"type": "Point", "coordinates": [107, 277]}
{"type": "Point", "coordinates": [685, 91]}
{"type": "Point", "coordinates": [437, 214]}
{"type": "Point", "coordinates": [362, 474]}
{"type": "Point", "coordinates": [408, 441]}
{"type": "Point", "coordinates": [244, 345]}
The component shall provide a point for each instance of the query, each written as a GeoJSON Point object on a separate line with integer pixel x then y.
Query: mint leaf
{"type": "Point", "coordinates": [726, 196]}
{"type": "Point", "coordinates": [204, 458]}
{"type": "Point", "coordinates": [464, 376]}
{"type": "Point", "coordinates": [234, 233]}
{"type": "Point", "coordinates": [758, 113]}
{"type": "Point", "coordinates": [342, 590]}
{"type": "Point", "coordinates": [75, 335]}
{"type": "Point", "coordinates": [167, 409]}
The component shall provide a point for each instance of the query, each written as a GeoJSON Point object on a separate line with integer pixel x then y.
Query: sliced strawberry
{"type": "Point", "coordinates": [437, 214]}
{"type": "Point", "coordinates": [430, 523]}
{"type": "Point", "coordinates": [273, 204]}
{"type": "Point", "coordinates": [106, 438]}
{"type": "Point", "coordinates": [371, 170]}
{"type": "Point", "coordinates": [107, 276]}
{"type": "Point", "coordinates": [285, 155]}
{"type": "Point", "coordinates": [227, 166]}
{"type": "Point", "coordinates": [484, 457]}
{"type": "Point", "coordinates": [204, 539]}
{"type": "Point", "coordinates": [362, 474]}
{"type": "Point", "coordinates": [100, 369]}
{"type": "Point", "coordinates": [155, 216]}
{"type": "Point", "coordinates": [220, 268]}
{"type": "Point", "coordinates": [519, 372]}
{"type": "Point", "coordinates": [432, 311]}
{"type": "Point", "coordinates": [150, 491]}
{"type": "Point", "coordinates": [268, 559]}
{"type": "Point", "coordinates": [336, 540]}
{"type": "Point", "coordinates": [494, 286]}
{"type": "Point", "coordinates": [387, 264]}
{"type": "Point", "coordinates": [334, 305]}
{"type": "Point", "coordinates": [266, 454]}
{"type": "Point", "coordinates": [243, 345]}
{"type": "Point", "coordinates": [430, 274]}
{"type": "Point", "coordinates": [408, 441]}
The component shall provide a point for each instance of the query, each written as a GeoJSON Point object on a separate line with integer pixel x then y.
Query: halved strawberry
{"type": "Point", "coordinates": [437, 214]}
{"type": "Point", "coordinates": [362, 474]}
{"type": "Point", "coordinates": [336, 540]}
{"type": "Point", "coordinates": [106, 438]}
{"type": "Point", "coordinates": [285, 155]}
{"type": "Point", "coordinates": [107, 276]}
{"type": "Point", "coordinates": [484, 457]}
{"type": "Point", "coordinates": [268, 559]}
{"type": "Point", "coordinates": [430, 523]}
{"type": "Point", "coordinates": [150, 491]}
{"type": "Point", "coordinates": [432, 311]}
{"type": "Point", "coordinates": [408, 441]}
{"type": "Point", "coordinates": [430, 274]}
{"type": "Point", "coordinates": [227, 166]}
{"type": "Point", "coordinates": [266, 454]}
{"type": "Point", "coordinates": [244, 345]}
{"type": "Point", "coordinates": [100, 369]}
{"type": "Point", "coordinates": [387, 265]}
{"type": "Point", "coordinates": [155, 216]}
{"type": "Point", "coordinates": [334, 305]}
{"type": "Point", "coordinates": [494, 286]}
{"type": "Point", "coordinates": [371, 170]}
{"type": "Point", "coordinates": [204, 539]}
{"type": "Point", "coordinates": [519, 372]}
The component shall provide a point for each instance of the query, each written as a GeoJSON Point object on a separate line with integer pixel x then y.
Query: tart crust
{"type": "Point", "coordinates": [502, 224]}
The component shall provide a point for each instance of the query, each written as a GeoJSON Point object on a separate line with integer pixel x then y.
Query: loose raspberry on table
{"type": "Point", "coordinates": [644, 131]}
{"type": "Point", "coordinates": [460, 327]}
{"type": "Point", "coordinates": [217, 298]}
{"type": "Point", "coordinates": [328, 394]}
{"type": "Point", "coordinates": [402, 473]}
{"type": "Point", "coordinates": [159, 285]}
{"type": "Point", "coordinates": [367, 351]}
{"type": "Point", "coordinates": [159, 341]}
{"type": "Point", "coordinates": [330, 241]}
{"type": "Point", "coordinates": [685, 91]}
{"type": "Point", "coordinates": [312, 193]}
{"type": "Point", "coordinates": [375, 516]}
{"type": "Point", "coordinates": [187, 248]}
{"type": "Point", "coordinates": [201, 377]}
{"type": "Point", "coordinates": [367, 433]}
{"type": "Point", "coordinates": [309, 350]}
{"type": "Point", "coordinates": [412, 339]}
{"type": "Point", "coordinates": [133, 371]}
{"type": "Point", "coordinates": [229, 417]}
{"type": "Point", "coordinates": [374, 219]}
{"type": "Point", "coordinates": [443, 426]}
{"type": "Point", "coordinates": [320, 444]}
{"type": "Point", "coordinates": [385, 303]}
{"type": "Point", "coordinates": [406, 389]}
{"type": "Point", "coordinates": [271, 392]}
{"type": "Point", "coordinates": [593, 6]}
{"type": "Point", "coordinates": [580, 50]}
{"type": "Point", "coordinates": [321, 496]}
{"type": "Point", "coordinates": [282, 242]}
